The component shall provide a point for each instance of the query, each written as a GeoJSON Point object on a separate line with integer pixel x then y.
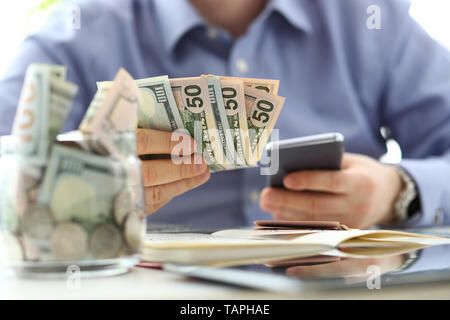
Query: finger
{"type": "Point", "coordinates": [348, 159]}
{"type": "Point", "coordinates": [151, 141]}
{"type": "Point", "coordinates": [320, 180]}
{"type": "Point", "coordinates": [155, 195]}
{"type": "Point", "coordinates": [162, 171]}
{"type": "Point", "coordinates": [316, 205]}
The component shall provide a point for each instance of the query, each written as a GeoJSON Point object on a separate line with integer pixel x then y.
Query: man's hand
{"type": "Point", "coordinates": [360, 195]}
{"type": "Point", "coordinates": [163, 179]}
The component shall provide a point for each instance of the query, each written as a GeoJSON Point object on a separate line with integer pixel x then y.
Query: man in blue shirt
{"type": "Point", "coordinates": [337, 72]}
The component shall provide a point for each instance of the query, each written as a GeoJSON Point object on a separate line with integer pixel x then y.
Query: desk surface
{"type": "Point", "coordinates": [143, 283]}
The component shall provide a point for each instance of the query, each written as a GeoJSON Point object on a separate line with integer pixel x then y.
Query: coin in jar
{"type": "Point", "coordinates": [69, 241]}
{"type": "Point", "coordinates": [105, 241]}
{"type": "Point", "coordinates": [123, 204]}
{"type": "Point", "coordinates": [38, 222]}
{"type": "Point", "coordinates": [134, 230]}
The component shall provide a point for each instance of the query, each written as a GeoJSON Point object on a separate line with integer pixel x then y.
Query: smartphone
{"type": "Point", "coordinates": [317, 152]}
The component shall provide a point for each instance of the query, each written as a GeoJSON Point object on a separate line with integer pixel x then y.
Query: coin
{"type": "Point", "coordinates": [38, 222]}
{"type": "Point", "coordinates": [10, 248]}
{"type": "Point", "coordinates": [123, 204]}
{"type": "Point", "coordinates": [134, 230]}
{"type": "Point", "coordinates": [69, 241]}
{"type": "Point", "coordinates": [106, 241]}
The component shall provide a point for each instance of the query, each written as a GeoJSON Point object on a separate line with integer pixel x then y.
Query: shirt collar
{"type": "Point", "coordinates": [296, 12]}
{"type": "Point", "coordinates": [178, 17]}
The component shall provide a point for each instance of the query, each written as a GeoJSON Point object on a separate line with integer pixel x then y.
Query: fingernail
{"type": "Point", "coordinates": [289, 182]}
{"type": "Point", "coordinates": [268, 198]}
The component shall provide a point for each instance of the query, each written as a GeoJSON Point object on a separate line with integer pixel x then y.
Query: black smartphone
{"type": "Point", "coordinates": [317, 152]}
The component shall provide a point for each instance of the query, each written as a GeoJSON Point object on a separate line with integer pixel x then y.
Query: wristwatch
{"type": "Point", "coordinates": [410, 259]}
{"type": "Point", "coordinates": [407, 202]}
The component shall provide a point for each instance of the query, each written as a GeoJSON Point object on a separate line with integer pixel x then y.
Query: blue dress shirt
{"type": "Point", "coordinates": [336, 74]}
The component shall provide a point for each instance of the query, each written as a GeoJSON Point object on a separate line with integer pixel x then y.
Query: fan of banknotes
{"type": "Point", "coordinates": [230, 118]}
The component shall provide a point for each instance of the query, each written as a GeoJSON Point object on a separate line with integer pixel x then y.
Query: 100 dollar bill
{"type": "Point", "coordinates": [93, 182]}
{"type": "Point", "coordinates": [43, 108]}
{"type": "Point", "coordinates": [158, 109]}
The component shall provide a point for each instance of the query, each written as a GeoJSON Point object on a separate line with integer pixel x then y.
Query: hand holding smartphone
{"type": "Point", "coordinates": [317, 152]}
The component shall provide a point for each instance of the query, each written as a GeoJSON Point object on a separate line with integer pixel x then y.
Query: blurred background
{"type": "Point", "coordinates": [19, 18]}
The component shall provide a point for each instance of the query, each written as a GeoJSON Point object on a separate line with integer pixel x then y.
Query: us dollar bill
{"type": "Point", "coordinates": [56, 71]}
{"type": "Point", "coordinates": [125, 142]}
{"type": "Point", "coordinates": [158, 109]}
{"type": "Point", "coordinates": [220, 116]}
{"type": "Point", "coordinates": [62, 95]}
{"type": "Point", "coordinates": [114, 110]}
{"type": "Point", "coordinates": [43, 107]}
{"type": "Point", "coordinates": [93, 182]}
{"type": "Point", "coordinates": [268, 85]}
{"type": "Point", "coordinates": [234, 103]}
{"type": "Point", "coordinates": [193, 102]}
{"type": "Point", "coordinates": [262, 110]}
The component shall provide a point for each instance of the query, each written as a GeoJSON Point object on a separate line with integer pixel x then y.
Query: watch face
{"type": "Point", "coordinates": [404, 208]}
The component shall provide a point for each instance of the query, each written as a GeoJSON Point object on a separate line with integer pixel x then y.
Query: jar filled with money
{"type": "Point", "coordinates": [82, 208]}
{"type": "Point", "coordinates": [71, 201]}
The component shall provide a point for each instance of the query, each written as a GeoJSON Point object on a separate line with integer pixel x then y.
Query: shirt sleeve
{"type": "Point", "coordinates": [416, 107]}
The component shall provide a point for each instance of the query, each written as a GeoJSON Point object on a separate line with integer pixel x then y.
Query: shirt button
{"type": "Point", "coordinates": [242, 65]}
{"type": "Point", "coordinates": [212, 33]}
{"type": "Point", "coordinates": [438, 217]}
{"type": "Point", "coordinates": [254, 196]}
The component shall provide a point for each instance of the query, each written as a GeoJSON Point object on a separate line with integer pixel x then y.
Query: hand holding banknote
{"type": "Point", "coordinates": [165, 179]}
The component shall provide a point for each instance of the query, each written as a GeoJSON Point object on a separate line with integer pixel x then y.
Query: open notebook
{"type": "Point", "coordinates": [229, 247]}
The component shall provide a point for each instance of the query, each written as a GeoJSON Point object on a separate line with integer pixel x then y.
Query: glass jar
{"type": "Point", "coordinates": [83, 209]}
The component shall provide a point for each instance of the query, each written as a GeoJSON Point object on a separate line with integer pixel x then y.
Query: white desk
{"type": "Point", "coordinates": [156, 284]}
